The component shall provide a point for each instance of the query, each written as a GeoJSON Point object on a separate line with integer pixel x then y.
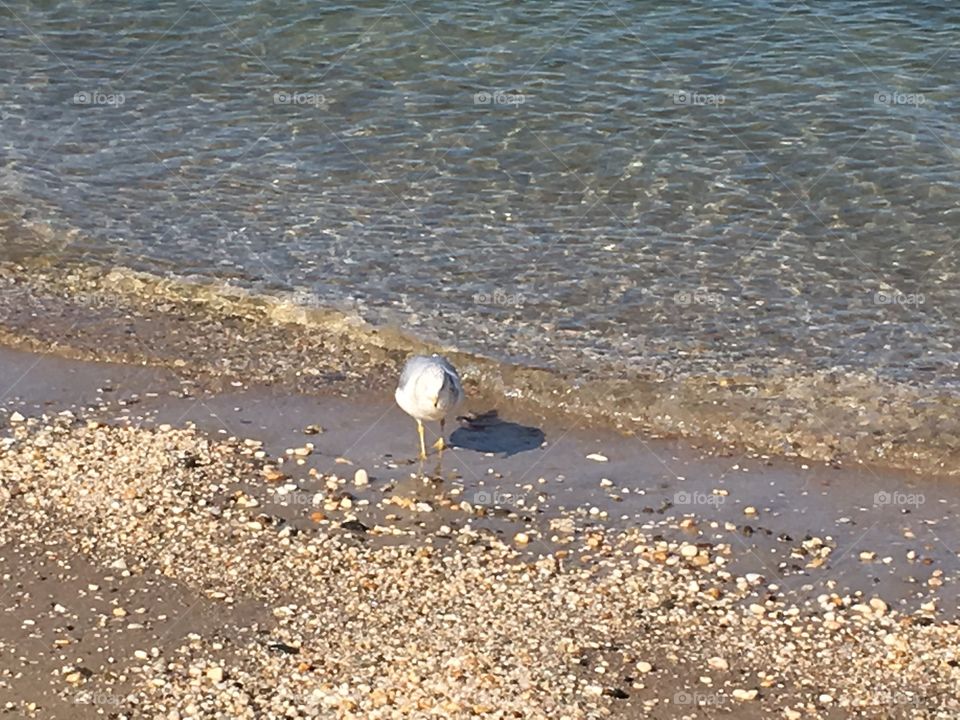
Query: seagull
{"type": "Point", "coordinates": [429, 389]}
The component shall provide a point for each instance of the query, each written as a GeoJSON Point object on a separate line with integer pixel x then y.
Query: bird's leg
{"type": "Point", "coordinates": [423, 446]}
{"type": "Point", "coordinates": [441, 442]}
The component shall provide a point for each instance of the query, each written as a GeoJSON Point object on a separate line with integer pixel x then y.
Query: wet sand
{"type": "Point", "coordinates": [762, 541]}
{"type": "Point", "coordinates": [215, 333]}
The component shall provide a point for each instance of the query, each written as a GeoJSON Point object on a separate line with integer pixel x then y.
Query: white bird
{"type": "Point", "coordinates": [429, 389]}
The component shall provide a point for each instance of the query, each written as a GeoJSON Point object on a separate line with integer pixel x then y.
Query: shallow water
{"type": "Point", "coordinates": [685, 187]}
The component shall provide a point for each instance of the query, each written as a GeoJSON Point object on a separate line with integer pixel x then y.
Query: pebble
{"type": "Point", "coordinates": [360, 478]}
{"type": "Point", "coordinates": [718, 663]}
{"type": "Point", "coordinates": [597, 457]}
{"type": "Point", "coordinates": [402, 604]}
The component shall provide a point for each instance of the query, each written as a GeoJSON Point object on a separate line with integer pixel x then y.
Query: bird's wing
{"type": "Point", "coordinates": [414, 367]}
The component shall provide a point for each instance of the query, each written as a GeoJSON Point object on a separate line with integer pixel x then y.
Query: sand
{"type": "Point", "coordinates": [169, 552]}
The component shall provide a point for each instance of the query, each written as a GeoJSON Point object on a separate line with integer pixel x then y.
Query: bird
{"type": "Point", "coordinates": [429, 390]}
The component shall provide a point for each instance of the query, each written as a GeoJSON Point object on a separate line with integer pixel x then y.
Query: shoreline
{"type": "Point", "coordinates": [216, 334]}
{"type": "Point", "coordinates": [193, 527]}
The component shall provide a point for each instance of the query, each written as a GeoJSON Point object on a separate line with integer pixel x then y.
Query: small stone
{"type": "Point", "coordinates": [17, 417]}
{"type": "Point", "coordinates": [718, 663]}
{"type": "Point", "coordinates": [644, 666]}
{"type": "Point", "coordinates": [272, 474]}
{"type": "Point", "coordinates": [597, 457]}
{"type": "Point", "coordinates": [750, 510]}
{"type": "Point", "coordinates": [741, 694]}
{"type": "Point", "coordinates": [825, 698]}
{"type": "Point", "coordinates": [360, 478]}
{"type": "Point", "coordinates": [688, 551]}
{"type": "Point", "coordinates": [215, 674]}
{"type": "Point", "coordinates": [521, 538]}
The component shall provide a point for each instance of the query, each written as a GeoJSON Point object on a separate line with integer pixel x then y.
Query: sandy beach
{"type": "Point", "coordinates": [693, 272]}
{"type": "Point", "coordinates": [170, 551]}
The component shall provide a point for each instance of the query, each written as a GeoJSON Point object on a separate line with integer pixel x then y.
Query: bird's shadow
{"type": "Point", "coordinates": [488, 433]}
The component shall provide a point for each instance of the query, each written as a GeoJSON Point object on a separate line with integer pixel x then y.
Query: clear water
{"type": "Point", "coordinates": [697, 186]}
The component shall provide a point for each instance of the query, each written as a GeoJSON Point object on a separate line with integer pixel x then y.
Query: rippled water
{"type": "Point", "coordinates": [604, 184]}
